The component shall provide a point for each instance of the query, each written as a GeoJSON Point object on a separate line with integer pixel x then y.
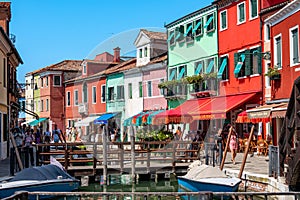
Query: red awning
{"type": "Point", "coordinates": [243, 118]}
{"type": "Point", "coordinates": [217, 107]}
{"type": "Point", "coordinates": [172, 116]}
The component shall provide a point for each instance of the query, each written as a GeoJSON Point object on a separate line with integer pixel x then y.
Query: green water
{"type": "Point", "coordinates": [124, 184]}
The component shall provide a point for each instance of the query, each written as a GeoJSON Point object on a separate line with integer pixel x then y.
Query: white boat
{"type": "Point", "coordinates": [46, 178]}
{"type": "Point", "coordinates": [208, 178]}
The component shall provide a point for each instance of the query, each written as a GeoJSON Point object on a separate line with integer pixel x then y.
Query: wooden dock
{"type": "Point", "coordinates": [91, 159]}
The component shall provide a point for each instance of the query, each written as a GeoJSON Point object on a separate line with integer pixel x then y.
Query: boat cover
{"type": "Point", "coordinates": [204, 171]}
{"type": "Point", "coordinates": [45, 172]}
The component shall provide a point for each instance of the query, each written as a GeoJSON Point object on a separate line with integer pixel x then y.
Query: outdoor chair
{"type": "Point", "coordinates": [262, 147]}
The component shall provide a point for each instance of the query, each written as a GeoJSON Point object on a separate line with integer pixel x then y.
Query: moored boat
{"type": "Point", "coordinates": [46, 178]}
{"type": "Point", "coordinates": [208, 178]}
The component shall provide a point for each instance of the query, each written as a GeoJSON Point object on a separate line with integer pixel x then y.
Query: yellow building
{"type": "Point", "coordinates": [9, 61]}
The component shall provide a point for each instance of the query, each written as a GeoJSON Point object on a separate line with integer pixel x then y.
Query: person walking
{"type": "Point", "coordinates": [233, 145]}
{"type": "Point", "coordinates": [57, 135]}
{"type": "Point", "coordinates": [28, 147]}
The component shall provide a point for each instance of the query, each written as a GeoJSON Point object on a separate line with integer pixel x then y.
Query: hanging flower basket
{"type": "Point", "coordinates": [273, 73]}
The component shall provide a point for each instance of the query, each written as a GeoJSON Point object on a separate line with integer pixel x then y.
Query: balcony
{"type": "Point", "coordinates": [83, 108]}
{"type": "Point", "coordinates": [176, 92]}
{"type": "Point", "coordinates": [205, 88]}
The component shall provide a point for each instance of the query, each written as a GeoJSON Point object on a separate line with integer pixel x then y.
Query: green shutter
{"type": "Point", "coordinates": [248, 66]}
{"type": "Point", "coordinates": [259, 60]}
{"type": "Point", "coordinates": [236, 60]}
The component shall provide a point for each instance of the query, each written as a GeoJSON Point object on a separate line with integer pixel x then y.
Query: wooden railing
{"type": "Point", "coordinates": [119, 154]}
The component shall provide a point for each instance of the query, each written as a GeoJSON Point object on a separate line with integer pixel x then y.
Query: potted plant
{"type": "Point", "coordinates": [273, 73]}
{"type": "Point", "coordinates": [212, 75]}
{"type": "Point", "coordinates": [194, 79]}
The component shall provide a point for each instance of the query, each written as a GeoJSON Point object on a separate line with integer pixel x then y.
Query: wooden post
{"type": "Point", "coordinates": [94, 158]}
{"type": "Point", "coordinates": [246, 152]}
{"type": "Point", "coordinates": [148, 158]}
{"type": "Point", "coordinates": [132, 154]}
{"type": "Point", "coordinates": [66, 156]}
{"type": "Point", "coordinates": [104, 151]}
{"type": "Point", "coordinates": [121, 158]}
{"type": "Point", "coordinates": [16, 150]}
{"type": "Point", "coordinates": [226, 147]}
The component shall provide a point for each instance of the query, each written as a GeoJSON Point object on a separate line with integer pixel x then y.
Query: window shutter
{"type": "Point", "coordinates": [248, 63]}
{"type": "Point", "coordinates": [236, 59]}
{"type": "Point", "coordinates": [295, 45]}
{"type": "Point", "coordinates": [259, 60]}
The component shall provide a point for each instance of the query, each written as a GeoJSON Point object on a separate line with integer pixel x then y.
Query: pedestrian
{"type": "Point", "coordinates": [178, 134]}
{"type": "Point", "coordinates": [57, 135]}
{"type": "Point", "coordinates": [219, 146]}
{"type": "Point", "coordinates": [233, 145]}
{"type": "Point", "coordinates": [28, 147]}
{"type": "Point", "coordinates": [19, 137]}
{"type": "Point", "coordinates": [47, 135]}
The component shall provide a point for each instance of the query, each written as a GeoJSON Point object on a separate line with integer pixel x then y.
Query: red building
{"type": "Point", "coordinates": [52, 91]}
{"type": "Point", "coordinates": [85, 95]}
{"type": "Point", "coordinates": [284, 47]}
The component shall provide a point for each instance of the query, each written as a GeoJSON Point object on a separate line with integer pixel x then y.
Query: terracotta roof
{"type": "Point", "coordinates": [66, 65]}
{"type": "Point", "coordinates": [155, 35]}
{"type": "Point", "coordinates": [159, 58]}
{"type": "Point", "coordinates": [126, 65]}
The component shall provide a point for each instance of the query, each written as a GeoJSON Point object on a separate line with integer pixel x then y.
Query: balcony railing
{"type": "Point", "coordinates": [176, 91]}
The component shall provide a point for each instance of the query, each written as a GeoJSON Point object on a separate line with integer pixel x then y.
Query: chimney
{"type": "Point", "coordinates": [117, 54]}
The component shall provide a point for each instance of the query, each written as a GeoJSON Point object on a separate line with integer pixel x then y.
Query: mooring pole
{"type": "Point", "coordinates": [104, 147]}
{"type": "Point", "coordinates": [226, 147]}
{"type": "Point", "coordinates": [246, 152]}
{"type": "Point", "coordinates": [132, 144]}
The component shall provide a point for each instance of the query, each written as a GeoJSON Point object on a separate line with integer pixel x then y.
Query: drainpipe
{"type": "Point", "coordinates": [262, 61]}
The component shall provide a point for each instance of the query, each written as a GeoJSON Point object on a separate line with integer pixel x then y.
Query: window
{"type": "Point", "coordinates": [198, 30]}
{"type": "Point", "coordinates": [76, 97]}
{"type": "Point", "coordinates": [223, 16]}
{"type": "Point", "coordinates": [267, 32]}
{"type": "Point", "coordinates": [180, 36]}
{"type": "Point", "coordinates": [255, 62]}
{"type": "Point", "coordinates": [68, 99]}
{"type": "Point", "coordinates": [173, 74]}
{"type": "Point", "coordinates": [103, 87]}
{"type": "Point", "coordinates": [277, 51]}
{"type": "Point", "coordinates": [253, 9]}
{"type": "Point", "coordinates": [209, 25]}
{"type": "Point", "coordinates": [240, 66]}
{"type": "Point", "coordinates": [42, 82]}
{"type": "Point", "coordinates": [145, 52]}
{"type": "Point", "coordinates": [130, 90]}
{"type": "Point", "coordinates": [294, 46]}
{"type": "Point", "coordinates": [199, 67]}
{"type": "Point", "coordinates": [171, 37]}
{"type": "Point", "coordinates": [210, 65]}
{"type": "Point", "coordinates": [223, 72]}
{"type": "Point", "coordinates": [182, 72]}
{"type": "Point", "coordinates": [188, 33]}
{"type": "Point", "coordinates": [47, 104]}
{"type": "Point", "coordinates": [241, 13]}
{"type": "Point", "coordinates": [26, 84]}
{"type": "Point", "coordinates": [140, 89]}
{"type": "Point", "coordinates": [57, 81]}
{"type": "Point", "coordinates": [32, 84]}
{"type": "Point", "coordinates": [120, 92]}
{"type": "Point", "coordinates": [84, 68]}
{"type": "Point", "coordinates": [110, 94]}
{"type": "Point", "coordinates": [140, 53]}
{"type": "Point", "coordinates": [4, 72]}
{"type": "Point", "coordinates": [149, 87]}
{"type": "Point", "coordinates": [47, 83]}
{"type": "Point", "coordinates": [94, 95]}
{"type": "Point", "coordinates": [84, 93]}
{"type": "Point", "coordinates": [32, 105]}
{"type": "Point", "coordinates": [42, 105]}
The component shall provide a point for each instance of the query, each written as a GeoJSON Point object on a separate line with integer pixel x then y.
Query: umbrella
{"type": "Point", "coordinates": [243, 118]}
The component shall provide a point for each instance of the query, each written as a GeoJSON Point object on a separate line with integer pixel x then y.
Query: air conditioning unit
{"type": "Point", "coordinates": [83, 108]}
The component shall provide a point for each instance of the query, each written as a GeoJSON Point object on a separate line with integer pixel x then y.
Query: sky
{"type": "Point", "coordinates": [50, 31]}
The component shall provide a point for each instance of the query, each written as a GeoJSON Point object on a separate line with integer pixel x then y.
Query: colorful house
{"type": "Point", "coordinates": [192, 50]}
{"type": "Point", "coordinates": [141, 83]}
{"type": "Point", "coordinates": [284, 63]}
{"type": "Point", "coordinates": [85, 94]}
{"type": "Point", "coordinates": [49, 93]}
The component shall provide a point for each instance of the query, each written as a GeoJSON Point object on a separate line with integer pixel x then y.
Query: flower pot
{"type": "Point", "coordinates": [275, 77]}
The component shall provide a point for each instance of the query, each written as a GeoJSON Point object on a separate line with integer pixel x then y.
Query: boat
{"type": "Point", "coordinates": [207, 178]}
{"type": "Point", "coordinates": [46, 178]}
